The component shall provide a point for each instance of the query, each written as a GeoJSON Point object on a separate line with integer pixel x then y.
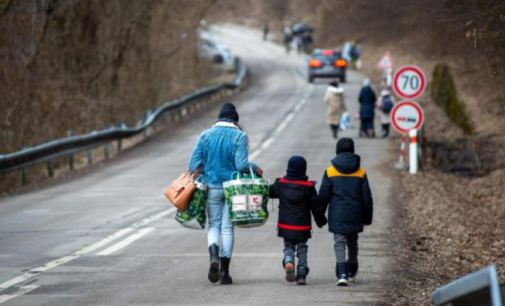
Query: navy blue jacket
{"type": "Point", "coordinates": [297, 200]}
{"type": "Point", "coordinates": [367, 100]}
{"type": "Point", "coordinates": [345, 187]}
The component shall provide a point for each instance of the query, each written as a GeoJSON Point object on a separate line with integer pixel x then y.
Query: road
{"type": "Point", "coordinates": [110, 238]}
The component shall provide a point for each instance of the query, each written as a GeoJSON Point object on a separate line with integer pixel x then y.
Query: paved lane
{"type": "Point", "coordinates": [150, 259]}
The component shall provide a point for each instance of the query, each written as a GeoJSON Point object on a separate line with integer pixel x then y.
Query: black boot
{"type": "Point", "coordinates": [334, 131]}
{"type": "Point", "coordinates": [288, 263]}
{"type": "Point", "coordinates": [353, 271]}
{"type": "Point", "coordinates": [342, 274]}
{"type": "Point", "coordinates": [225, 278]}
{"type": "Point", "coordinates": [214, 264]}
{"type": "Point", "coordinates": [301, 274]}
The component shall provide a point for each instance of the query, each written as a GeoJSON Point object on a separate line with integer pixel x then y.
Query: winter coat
{"type": "Point", "coordinates": [297, 200]}
{"type": "Point", "coordinates": [221, 150]}
{"type": "Point", "coordinates": [367, 100]}
{"type": "Point", "coordinates": [334, 98]}
{"type": "Point", "coordinates": [384, 117]}
{"type": "Point", "coordinates": [345, 187]}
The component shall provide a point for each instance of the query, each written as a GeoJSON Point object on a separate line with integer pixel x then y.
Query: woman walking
{"type": "Point", "coordinates": [334, 99]}
{"type": "Point", "coordinates": [367, 100]}
{"type": "Point", "coordinates": [221, 151]}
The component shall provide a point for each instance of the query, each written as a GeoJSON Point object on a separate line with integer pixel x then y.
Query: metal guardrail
{"type": "Point", "coordinates": [481, 288]}
{"type": "Point", "coordinates": [66, 146]}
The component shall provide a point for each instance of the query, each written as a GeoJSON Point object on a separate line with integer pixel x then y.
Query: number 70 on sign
{"type": "Point", "coordinates": [409, 82]}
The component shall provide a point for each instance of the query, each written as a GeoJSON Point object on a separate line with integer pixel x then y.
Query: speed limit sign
{"type": "Point", "coordinates": [409, 82]}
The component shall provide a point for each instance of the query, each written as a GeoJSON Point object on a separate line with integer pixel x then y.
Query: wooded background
{"type": "Point", "coordinates": [83, 65]}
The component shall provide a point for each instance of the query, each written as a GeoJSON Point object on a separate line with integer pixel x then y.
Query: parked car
{"type": "Point", "coordinates": [327, 64]}
{"type": "Point", "coordinates": [213, 50]}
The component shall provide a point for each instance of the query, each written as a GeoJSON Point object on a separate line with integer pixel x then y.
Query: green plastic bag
{"type": "Point", "coordinates": [195, 215]}
{"type": "Point", "coordinates": [247, 199]}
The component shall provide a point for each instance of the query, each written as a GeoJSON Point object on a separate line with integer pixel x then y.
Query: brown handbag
{"type": "Point", "coordinates": [181, 190]}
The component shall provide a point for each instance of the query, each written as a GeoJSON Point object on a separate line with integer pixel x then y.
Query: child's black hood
{"type": "Point", "coordinates": [346, 163]}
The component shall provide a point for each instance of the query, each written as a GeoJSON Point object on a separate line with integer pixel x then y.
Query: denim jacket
{"type": "Point", "coordinates": [221, 151]}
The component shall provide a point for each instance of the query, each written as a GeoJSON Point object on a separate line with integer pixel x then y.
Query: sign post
{"type": "Point", "coordinates": [407, 117]}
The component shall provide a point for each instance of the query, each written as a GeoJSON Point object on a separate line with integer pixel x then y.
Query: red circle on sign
{"type": "Point", "coordinates": [422, 78]}
{"type": "Point", "coordinates": [413, 104]}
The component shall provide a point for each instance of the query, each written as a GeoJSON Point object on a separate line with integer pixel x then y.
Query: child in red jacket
{"type": "Point", "coordinates": [298, 198]}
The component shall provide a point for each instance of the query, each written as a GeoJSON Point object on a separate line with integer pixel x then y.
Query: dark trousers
{"type": "Point", "coordinates": [334, 130]}
{"type": "Point", "coordinates": [300, 247]}
{"type": "Point", "coordinates": [351, 242]}
{"type": "Point", "coordinates": [366, 126]}
{"type": "Point", "coordinates": [385, 129]}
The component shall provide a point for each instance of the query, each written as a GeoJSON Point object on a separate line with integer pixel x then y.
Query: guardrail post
{"type": "Point", "coordinates": [25, 179]}
{"type": "Point", "coordinates": [90, 156]}
{"type": "Point", "coordinates": [106, 150]}
{"type": "Point", "coordinates": [119, 141]}
{"type": "Point", "coordinates": [50, 168]}
{"type": "Point", "coordinates": [155, 122]}
{"type": "Point", "coordinates": [164, 119]}
{"type": "Point", "coordinates": [146, 115]}
{"type": "Point", "coordinates": [71, 156]}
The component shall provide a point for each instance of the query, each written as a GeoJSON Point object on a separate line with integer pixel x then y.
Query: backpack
{"type": "Point", "coordinates": [355, 52]}
{"type": "Point", "coordinates": [387, 104]}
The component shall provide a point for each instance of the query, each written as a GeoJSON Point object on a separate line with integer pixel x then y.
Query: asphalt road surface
{"type": "Point", "coordinates": [110, 238]}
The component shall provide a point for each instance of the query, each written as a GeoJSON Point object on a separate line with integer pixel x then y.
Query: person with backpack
{"type": "Point", "coordinates": [346, 193]}
{"type": "Point", "coordinates": [385, 104]}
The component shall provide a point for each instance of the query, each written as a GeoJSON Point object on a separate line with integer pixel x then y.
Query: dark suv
{"type": "Point", "coordinates": [327, 64]}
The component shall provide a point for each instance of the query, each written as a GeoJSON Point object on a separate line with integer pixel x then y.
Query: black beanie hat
{"type": "Point", "coordinates": [297, 168]}
{"type": "Point", "coordinates": [345, 145]}
{"type": "Point", "coordinates": [228, 111]}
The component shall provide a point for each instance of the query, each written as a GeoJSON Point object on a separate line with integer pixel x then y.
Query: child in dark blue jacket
{"type": "Point", "coordinates": [345, 187]}
{"type": "Point", "coordinates": [298, 198]}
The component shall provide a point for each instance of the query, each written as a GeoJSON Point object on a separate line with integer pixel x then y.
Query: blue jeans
{"type": "Point", "coordinates": [219, 224]}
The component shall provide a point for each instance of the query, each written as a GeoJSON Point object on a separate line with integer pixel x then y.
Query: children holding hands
{"type": "Point", "coordinates": [344, 192]}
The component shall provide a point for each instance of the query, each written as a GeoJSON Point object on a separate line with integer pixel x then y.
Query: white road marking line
{"type": "Point", "coordinates": [16, 280]}
{"type": "Point", "coordinates": [278, 130]}
{"type": "Point", "coordinates": [85, 250]}
{"type": "Point", "coordinates": [118, 246]}
{"type": "Point", "coordinates": [21, 291]}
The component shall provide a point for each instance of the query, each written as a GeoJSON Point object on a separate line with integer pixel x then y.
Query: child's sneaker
{"type": "Point", "coordinates": [289, 266]}
{"type": "Point", "coordinates": [302, 273]}
{"type": "Point", "coordinates": [342, 274]}
{"type": "Point", "coordinates": [353, 271]}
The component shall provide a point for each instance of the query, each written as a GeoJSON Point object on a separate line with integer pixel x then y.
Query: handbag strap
{"type": "Point", "coordinates": [195, 174]}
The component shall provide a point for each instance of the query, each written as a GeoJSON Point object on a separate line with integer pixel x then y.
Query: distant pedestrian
{"type": "Point", "coordinates": [299, 44]}
{"type": "Point", "coordinates": [355, 54]}
{"type": "Point", "coordinates": [266, 29]}
{"type": "Point", "coordinates": [384, 105]}
{"type": "Point", "coordinates": [334, 99]}
{"type": "Point", "coordinates": [288, 38]}
{"type": "Point", "coordinates": [298, 198]}
{"type": "Point", "coordinates": [367, 101]}
{"type": "Point", "coordinates": [221, 151]}
{"type": "Point", "coordinates": [307, 42]}
{"type": "Point", "coordinates": [346, 52]}
{"type": "Point", "coordinates": [345, 188]}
